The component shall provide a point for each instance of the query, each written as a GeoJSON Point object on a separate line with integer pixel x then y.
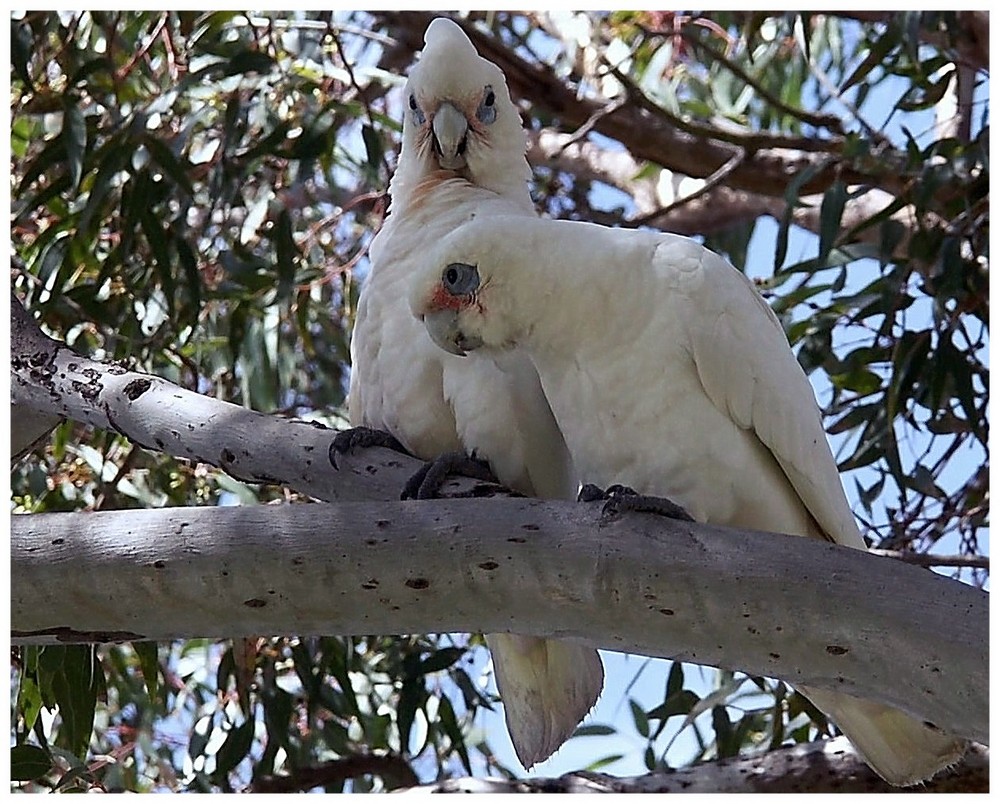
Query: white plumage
{"type": "Point", "coordinates": [462, 158]}
{"type": "Point", "coordinates": [667, 372]}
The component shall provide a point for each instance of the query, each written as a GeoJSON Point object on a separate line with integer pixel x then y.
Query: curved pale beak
{"type": "Point", "coordinates": [450, 130]}
{"type": "Point", "coordinates": [443, 328]}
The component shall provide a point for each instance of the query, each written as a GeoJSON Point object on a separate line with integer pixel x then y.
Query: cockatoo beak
{"type": "Point", "coordinates": [443, 328]}
{"type": "Point", "coordinates": [450, 129]}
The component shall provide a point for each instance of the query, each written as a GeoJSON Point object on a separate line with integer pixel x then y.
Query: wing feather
{"type": "Point", "coordinates": [749, 372]}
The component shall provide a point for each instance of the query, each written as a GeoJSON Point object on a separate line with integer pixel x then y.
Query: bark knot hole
{"type": "Point", "coordinates": [137, 388]}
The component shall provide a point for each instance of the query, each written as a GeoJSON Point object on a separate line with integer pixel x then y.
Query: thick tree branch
{"type": "Point", "coordinates": [827, 766]}
{"type": "Point", "coordinates": [50, 380]}
{"type": "Point", "coordinates": [394, 769]}
{"type": "Point", "coordinates": [28, 427]}
{"type": "Point", "coordinates": [798, 609]}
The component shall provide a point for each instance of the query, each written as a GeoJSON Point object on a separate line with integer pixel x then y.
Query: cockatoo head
{"type": "Point", "coordinates": [459, 116]}
{"type": "Point", "coordinates": [464, 293]}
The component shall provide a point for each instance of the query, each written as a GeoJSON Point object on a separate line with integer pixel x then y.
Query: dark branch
{"type": "Point", "coordinates": [829, 766]}
{"type": "Point", "coordinates": [395, 770]}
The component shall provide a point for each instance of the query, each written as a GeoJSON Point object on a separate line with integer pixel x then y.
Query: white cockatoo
{"type": "Point", "coordinates": [462, 157]}
{"type": "Point", "coordinates": [669, 373]}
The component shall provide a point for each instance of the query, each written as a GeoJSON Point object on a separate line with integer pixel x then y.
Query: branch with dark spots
{"type": "Point", "coordinates": [29, 427]}
{"type": "Point", "coordinates": [575, 576]}
{"type": "Point", "coordinates": [258, 448]}
{"type": "Point", "coordinates": [88, 586]}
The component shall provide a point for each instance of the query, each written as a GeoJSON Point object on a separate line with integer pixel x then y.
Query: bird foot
{"type": "Point", "coordinates": [347, 440]}
{"type": "Point", "coordinates": [426, 482]}
{"type": "Point", "coordinates": [622, 498]}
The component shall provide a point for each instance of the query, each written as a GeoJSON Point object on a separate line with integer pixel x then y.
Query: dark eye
{"type": "Point", "coordinates": [418, 115]}
{"type": "Point", "coordinates": [460, 279]}
{"type": "Point", "coordinates": [487, 111]}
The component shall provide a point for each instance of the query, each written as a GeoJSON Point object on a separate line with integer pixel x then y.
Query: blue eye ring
{"type": "Point", "coordinates": [487, 111]}
{"type": "Point", "coordinates": [460, 279]}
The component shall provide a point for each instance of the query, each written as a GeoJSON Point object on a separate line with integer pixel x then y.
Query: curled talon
{"type": "Point", "coordinates": [426, 482]}
{"type": "Point", "coordinates": [624, 498]}
{"type": "Point", "coordinates": [347, 440]}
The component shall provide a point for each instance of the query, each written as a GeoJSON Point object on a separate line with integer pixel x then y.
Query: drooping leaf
{"type": "Point", "coordinates": [74, 136]}
{"type": "Point", "coordinates": [75, 678]}
{"type": "Point", "coordinates": [451, 728]}
{"type": "Point", "coordinates": [679, 703]}
{"type": "Point", "coordinates": [28, 763]}
{"type": "Point", "coordinates": [234, 748]}
{"type": "Point", "coordinates": [639, 718]}
{"type": "Point", "coordinates": [149, 662]}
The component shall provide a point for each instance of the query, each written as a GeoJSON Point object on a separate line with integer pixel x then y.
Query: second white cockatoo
{"type": "Point", "coordinates": [462, 158]}
{"type": "Point", "coordinates": [667, 372]}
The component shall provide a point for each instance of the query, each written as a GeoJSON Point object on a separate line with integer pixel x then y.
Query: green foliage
{"type": "Point", "coordinates": [192, 194]}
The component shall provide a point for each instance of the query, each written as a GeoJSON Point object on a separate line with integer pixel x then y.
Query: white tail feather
{"type": "Point", "coordinates": [547, 688]}
{"type": "Point", "coordinates": [901, 749]}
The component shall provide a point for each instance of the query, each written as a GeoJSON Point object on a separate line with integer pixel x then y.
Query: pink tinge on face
{"type": "Point", "coordinates": [441, 299]}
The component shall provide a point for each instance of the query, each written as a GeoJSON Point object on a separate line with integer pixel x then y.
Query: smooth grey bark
{"type": "Point", "coordinates": [802, 610]}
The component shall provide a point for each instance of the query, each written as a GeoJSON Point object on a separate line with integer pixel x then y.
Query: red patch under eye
{"type": "Point", "coordinates": [443, 300]}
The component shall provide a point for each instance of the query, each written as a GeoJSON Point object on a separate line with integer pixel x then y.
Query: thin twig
{"type": "Point", "coordinates": [592, 121]}
{"type": "Point", "coordinates": [710, 183]}
{"type": "Point", "coordinates": [931, 560]}
{"type": "Point", "coordinates": [142, 51]}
